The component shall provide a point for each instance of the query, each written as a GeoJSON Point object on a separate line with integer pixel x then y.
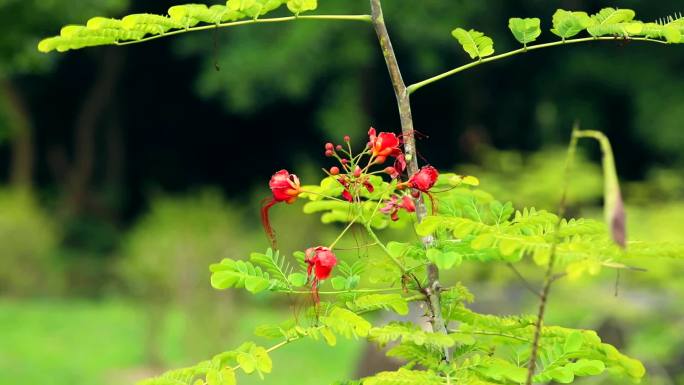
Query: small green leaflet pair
{"type": "Point", "coordinates": [566, 24]}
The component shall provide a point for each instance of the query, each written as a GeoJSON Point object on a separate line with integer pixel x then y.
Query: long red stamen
{"type": "Point", "coordinates": [433, 203]}
{"type": "Point", "coordinates": [266, 222]}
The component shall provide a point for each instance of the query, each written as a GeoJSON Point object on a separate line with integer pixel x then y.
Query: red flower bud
{"type": "Point", "coordinates": [328, 153]}
{"type": "Point", "coordinates": [391, 171]}
{"type": "Point", "coordinates": [357, 171]}
{"type": "Point", "coordinates": [424, 179]}
{"type": "Point", "coordinates": [329, 146]}
{"type": "Point", "coordinates": [285, 186]}
{"type": "Point", "coordinates": [321, 261]}
{"type": "Point", "coordinates": [338, 147]}
{"type": "Point", "coordinates": [344, 161]}
{"type": "Point", "coordinates": [347, 138]}
{"type": "Point", "coordinates": [334, 170]}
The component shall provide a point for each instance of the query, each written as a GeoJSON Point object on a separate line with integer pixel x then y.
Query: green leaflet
{"type": "Point", "coordinates": [230, 273]}
{"type": "Point", "coordinates": [568, 24]}
{"type": "Point", "coordinates": [408, 332]}
{"type": "Point", "coordinates": [380, 301]}
{"type": "Point", "coordinates": [444, 259]}
{"type": "Point", "coordinates": [347, 323]}
{"type": "Point", "coordinates": [404, 377]}
{"type": "Point", "coordinates": [255, 359]}
{"type": "Point", "coordinates": [299, 6]}
{"type": "Point", "coordinates": [611, 21]}
{"type": "Point", "coordinates": [275, 265]}
{"type": "Point", "coordinates": [475, 43]}
{"type": "Point", "coordinates": [525, 30]}
{"type": "Point", "coordinates": [500, 370]}
{"type": "Point", "coordinates": [671, 32]}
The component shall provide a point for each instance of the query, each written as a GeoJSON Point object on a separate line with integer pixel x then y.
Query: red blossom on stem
{"type": "Point", "coordinates": [285, 187]}
{"type": "Point", "coordinates": [383, 145]}
{"type": "Point", "coordinates": [424, 179]}
{"type": "Point", "coordinates": [321, 261]}
{"type": "Point", "coordinates": [393, 206]}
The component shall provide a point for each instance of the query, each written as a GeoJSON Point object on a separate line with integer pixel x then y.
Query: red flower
{"type": "Point", "coordinates": [285, 187]}
{"type": "Point", "coordinates": [383, 145]}
{"type": "Point", "coordinates": [394, 204]}
{"type": "Point", "coordinates": [407, 204]}
{"type": "Point", "coordinates": [321, 261]}
{"type": "Point", "coordinates": [424, 179]}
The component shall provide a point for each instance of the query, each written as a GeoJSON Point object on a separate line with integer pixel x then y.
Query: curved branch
{"type": "Point", "coordinates": [414, 87]}
{"type": "Point", "coordinates": [364, 18]}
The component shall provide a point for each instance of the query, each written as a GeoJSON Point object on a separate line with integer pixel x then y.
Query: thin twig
{"type": "Point", "coordinates": [414, 87]}
{"type": "Point", "coordinates": [364, 18]}
{"type": "Point", "coordinates": [550, 277]}
{"type": "Point", "coordinates": [524, 281]}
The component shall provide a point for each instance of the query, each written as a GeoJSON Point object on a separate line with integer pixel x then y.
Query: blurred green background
{"type": "Point", "coordinates": [127, 171]}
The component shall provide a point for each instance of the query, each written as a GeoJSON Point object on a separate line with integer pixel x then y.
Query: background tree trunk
{"type": "Point", "coordinates": [21, 136]}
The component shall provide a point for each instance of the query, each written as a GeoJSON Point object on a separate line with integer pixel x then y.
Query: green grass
{"type": "Point", "coordinates": [100, 343]}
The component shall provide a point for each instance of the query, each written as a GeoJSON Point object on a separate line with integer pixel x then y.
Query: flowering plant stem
{"type": "Point", "coordinates": [432, 291]}
{"type": "Point", "coordinates": [549, 277]}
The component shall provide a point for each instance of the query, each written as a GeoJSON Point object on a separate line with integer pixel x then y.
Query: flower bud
{"type": "Point", "coordinates": [357, 171]}
{"type": "Point", "coordinates": [328, 153]}
{"type": "Point", "coordinates": [344, 161]}
{"type": "Point", "coordinates": [347, 138]}
{"type": "Point", "coordinates": [329, 146]}
{"type": "Point", "coordinates": [390, 170]}
{"type": "Point", "coordinates": [334, 170]}
{"type": "Point", "coordinates": [338, 147]}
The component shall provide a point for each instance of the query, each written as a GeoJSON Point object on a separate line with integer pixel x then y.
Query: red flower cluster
{"type": "Point", "coordinates": [393, 206]}
{"type": "Point", "coordinates": [355, 173]}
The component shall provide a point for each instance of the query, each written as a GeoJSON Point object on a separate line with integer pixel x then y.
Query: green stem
{"type": "Point", "coordinates": [364, 18]}
{"type": "Point", "coordinates": [549, 277]}
{"type": "Point", "coordinates": [382, 246]}
{"type": "Point", "coordinates": [389, 289]}
{"type": "Point", "coordinates": [339, 237]}
{"type": "Point", "coordinates": [492, 334]}
{"type": "Point", "coordinates": [414, 87]}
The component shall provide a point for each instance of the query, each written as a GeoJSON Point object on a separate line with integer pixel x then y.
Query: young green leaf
{"type": "Point", "coordinates": [475, 43]}
{"type": "Point", "coordinates": [525, 30]}
{"type": "Point", "coordinates": [297, 279]}
{"type": "Point", "coordinates": [299, 6]}
{"type": "Point", "coordinates": [568, 24]}
{"type": "Point", "coordinates": [611, 21]}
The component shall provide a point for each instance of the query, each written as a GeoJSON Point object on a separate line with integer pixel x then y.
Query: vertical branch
{"type": "Point", "coordinates": [432, 291]}
{"type": "Point", "coordinates": [549, 277]}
